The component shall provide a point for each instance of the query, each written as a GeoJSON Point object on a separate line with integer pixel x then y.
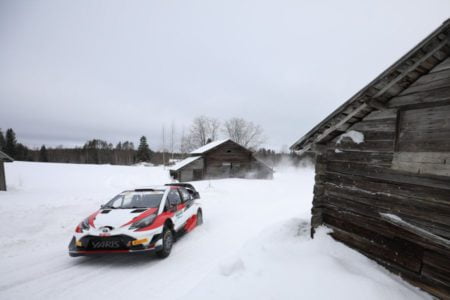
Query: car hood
{"type": "Point", "coordinates": [120, 217]}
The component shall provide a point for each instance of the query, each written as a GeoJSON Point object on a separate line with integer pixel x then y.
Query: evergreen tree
{"type": "Point", "coordinates": [2, 140]}
{"type": "Point", "coordinates": [143, 152]}
{"type": "Point", "coordinates": [22, 152]}
{"type": "Point", "coordinates": [43, 156]}
{"type": "Point", "coordinates": [11, 143]}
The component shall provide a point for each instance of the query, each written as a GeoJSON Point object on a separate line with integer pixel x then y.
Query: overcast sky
{"type": "Point", "coordinates": [115, 70]}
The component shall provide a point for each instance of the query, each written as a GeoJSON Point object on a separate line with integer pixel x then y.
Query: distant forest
{"type": "Point", "coordinates": [98, 151]}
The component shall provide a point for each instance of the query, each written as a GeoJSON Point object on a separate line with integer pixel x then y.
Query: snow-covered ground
{"type": "Point", "coordinates": [254, 243]}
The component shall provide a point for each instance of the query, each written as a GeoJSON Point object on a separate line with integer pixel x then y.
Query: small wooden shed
{"type": "Point", "coordinates": [3, 158]}
{"type": "Point", "coordinates": [383, 167]}
{"type": "Point", "coordinates": [220, 159]}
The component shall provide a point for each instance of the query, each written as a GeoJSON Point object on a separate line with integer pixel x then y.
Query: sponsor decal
{"type": "Point", "coordinates": [105, 244]}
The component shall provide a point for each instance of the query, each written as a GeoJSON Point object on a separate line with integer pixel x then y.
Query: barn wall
{"type": "Point", "coordinates": [357, 183]}
{"type": "Point", "coordinates": [2, 177]}
{"type": "Point", "coordinates": [187, 173]}
{"type": "Point", "coordinates": [228, 160]}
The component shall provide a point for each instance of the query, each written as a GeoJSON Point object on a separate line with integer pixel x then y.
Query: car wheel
{"type": "Point", "coordinates": [168, 241]}
{"type": "Point", "coordinates": [199, 218]}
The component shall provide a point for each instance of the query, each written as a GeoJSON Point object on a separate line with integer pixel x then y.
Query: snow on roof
{"type": "Point", "coordinates": [209, 146]}
{"type": "Point", "coordinates": [184, 162]}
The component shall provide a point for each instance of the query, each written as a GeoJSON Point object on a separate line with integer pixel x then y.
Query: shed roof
{"type": "Point", "coordinates": [5, 157]}
{"type": "Point", "coordinates": [209, 146]}
{"type": "Point", "coordinates": [420, 60]}
{"type": "Point", "coordinates": [184, 163]}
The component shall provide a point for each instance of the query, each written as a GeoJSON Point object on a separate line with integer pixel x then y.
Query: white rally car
{"type": "Point", "coordinates": [140, 220]}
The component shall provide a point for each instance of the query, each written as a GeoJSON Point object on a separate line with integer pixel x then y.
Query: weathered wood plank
{"type": "Point", "coordinates": [423, 168]}
{"type": "Point", "coordinates": [388, 175]}
{"type": "Point", "coordinates": [436, 84]}
{"type": "Point", "coordinates": [376, 244]}
{"type": "Point", "coordinates": [375, 158]}
{"type": "Point", "coordinates": [420, 62]}
{"type": "Point", "coordinates": [362, 207]}
{"type": "Point", "coordinates": [436, 266]}
{"type": "Point", "coordinates": [2, 177]}
{"type": "Point", "coordinates": [367, 146]}
{"type": "Point", "coordinates": [380, 227]}
{"type": "Point", "coordinates": [431, 96]}
{"type": "Point", "coordinates": [382, 202]}
{"type": "Point", "coordinates": [424, 129]}
{"type": "Point", "coordinates": [442, 66]}
{"type": "Point", "coordinates": [382, 114]}
{"type": "Point", "coordinates": [378, 135]}
{"type": "Point", "coordinates": [430, 77]}
{"type": "Point", "coordinates": [409, 194]}
{"type": "Point", "coordinates": [423, 157]}
{"type": "Point", "coordinates": [437, 163]}
{"type": "Point", "coordinates": [375, 125]}
{"type": "Point", "coordinates": [425, 234]}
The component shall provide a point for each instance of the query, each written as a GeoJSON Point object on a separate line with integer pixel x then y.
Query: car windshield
{"type": "Point", "coordinates": [132, 199]}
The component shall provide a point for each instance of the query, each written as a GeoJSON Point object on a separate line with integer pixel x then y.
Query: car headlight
{"type": "Point", "coordinates": [144, 222]}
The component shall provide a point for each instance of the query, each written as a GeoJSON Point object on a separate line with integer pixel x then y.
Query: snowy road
{"type": "Point", "coordinates": [46, 201]}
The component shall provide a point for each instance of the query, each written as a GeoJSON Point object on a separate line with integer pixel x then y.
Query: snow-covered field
{"type": "Point", "coordinates": [254, 243]}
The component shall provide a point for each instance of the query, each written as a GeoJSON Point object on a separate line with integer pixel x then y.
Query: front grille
{"type": "Point", "coordinates": [118, 242]}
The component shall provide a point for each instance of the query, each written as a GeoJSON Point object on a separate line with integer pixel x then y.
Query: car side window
{"type": "Point", "coordinates": [174, 197]}
{"type": "Point", "coordinates": [185, 194]}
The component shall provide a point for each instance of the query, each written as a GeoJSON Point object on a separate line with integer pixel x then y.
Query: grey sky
{"type": "Point", "coordinates": [75, 70]}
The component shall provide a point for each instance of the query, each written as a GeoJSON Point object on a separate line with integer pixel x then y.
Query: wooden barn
{"type": "Point", "coordinates": [3, 158]}
{"type": "Point", "coordinates": [383, 167]}
{"type": "Point", "coordinates": [220, 159]}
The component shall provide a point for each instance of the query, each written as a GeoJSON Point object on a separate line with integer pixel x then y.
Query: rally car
{"type": "Point", "coordinates": [139, 220]}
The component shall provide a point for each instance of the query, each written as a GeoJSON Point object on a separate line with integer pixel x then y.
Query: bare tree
{"type": "Point", "coordinates": [164, 144]}
{"type": "Point", "coordinates": [172, 139]}
{"type": "Point", "coordinates": [185, 143]}
{"type": "Point", "coordinates": [201, 131]}
{"type": "Point", "coordinates": [244, 133]}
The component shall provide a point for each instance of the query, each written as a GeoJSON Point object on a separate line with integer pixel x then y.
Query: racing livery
{"type": "Point", "coordinates": [139, 220]}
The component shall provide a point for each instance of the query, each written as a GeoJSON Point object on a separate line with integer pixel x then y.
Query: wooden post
{"type": "Point", "coordinates": [2, 177]}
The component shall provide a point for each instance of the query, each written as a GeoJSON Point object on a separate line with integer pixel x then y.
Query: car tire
{"type": "Point", "coordinates": [199, 217]}
{"type": "Point", "coordinates": [168, 240]}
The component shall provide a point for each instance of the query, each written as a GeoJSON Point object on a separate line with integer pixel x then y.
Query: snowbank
{"type": "Point", "coordinates": [284, 263]}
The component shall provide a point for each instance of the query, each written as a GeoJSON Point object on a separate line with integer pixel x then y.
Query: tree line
{"type": "Point", "coordinates": [95, 151]}
{"type": "Point", "coordinates": [201, 131]}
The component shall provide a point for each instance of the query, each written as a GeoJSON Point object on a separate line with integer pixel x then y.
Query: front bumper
{"type": "Point", "coordinates": [116, 244]}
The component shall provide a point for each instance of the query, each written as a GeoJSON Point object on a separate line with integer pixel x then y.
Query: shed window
{"type": "Point", "coordinates": [423, 140]}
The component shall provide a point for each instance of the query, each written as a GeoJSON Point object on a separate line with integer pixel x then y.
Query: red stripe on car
{"type": "Point", "coordinates": [92, 218]}
{"type": "Point", "coordinates": [190, 223]}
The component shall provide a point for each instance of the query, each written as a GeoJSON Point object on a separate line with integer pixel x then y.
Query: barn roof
{"type": "Point", "coordinates": [209, 146]}
{"type": "Point", "coordinates": [5, 157]}
{"type": "Point", "coordinates": [420, 60]}
{"type": "Point", "coordinates": [184, 163]}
